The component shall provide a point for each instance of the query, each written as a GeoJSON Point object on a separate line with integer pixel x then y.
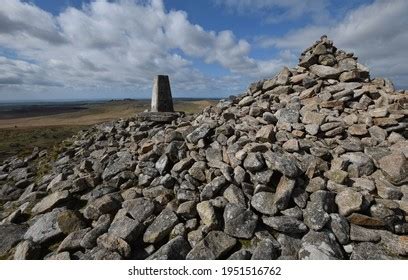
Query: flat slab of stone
{"type": "Point", "coordinates": [160, 117]}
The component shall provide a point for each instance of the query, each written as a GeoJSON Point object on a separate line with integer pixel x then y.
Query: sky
{"type": "Point", "coordinates": [100, 49]}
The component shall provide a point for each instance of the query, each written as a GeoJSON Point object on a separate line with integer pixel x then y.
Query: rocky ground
{"type": "Point", "coordinates": [311, 164]}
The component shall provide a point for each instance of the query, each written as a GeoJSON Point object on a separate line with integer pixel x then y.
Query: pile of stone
{"type": "Point", "coordinates": [311, 164]}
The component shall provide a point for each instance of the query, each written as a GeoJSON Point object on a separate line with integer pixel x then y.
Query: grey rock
{"type": "Point", "coordinates": [126, 228]}
{"type": "Point", "coordinates": [254, 162]}
{"type": "Point", "coordinates": [215, 245]}
{"type": "Point", "coordinates": [263, 203]}
{"type": "Point", "coordinates": [285, 224]}
{"type": "Point", "coordinates": [115, 244]}
{"type": "Point", "coordinates": [283, 193]}
{"type": "Point", "coordinates": [395, 168]}
{"type": "Point", "coordinates": [106, 204]}
{"type": "Point", "coordinates": [265, 250]}
{"type": "Point", "coordinates": [287, 115]}
{"type": "Point", "coordinates": [349, 201]}
{"type": "Point", "coordinates": [69, 221]}
{"type": "Point", "coordinates": [325, 72]}
{"type": "Point", "coordinates": [102, 226]}
{"type": "Point", "coordinates": [199, 133]}
{"type": "Point", "coordinates": [320, 246]}
{"type": "Point", "coordinates": [161, 227]}
{"type": "Point", "coordinates": [27, 250]}
{"type": "Point", "coordinates": [239, 221]}
{"type": "Point", "coordinates": [234, 194]}
{"type": "Point", "coordinates": [50, 201]}
{"type": "Point", "coordinates": [207, 213]}
{"type": "Point", "coordinates": [73, 241]}
{"type": "Point", "coordinates": [163, 164]}
{"type": "Point", "coordinates": [139, 208]}
{"type": "Point", "coordinates": [175, 249]}
{"type": "Point", "coordinates": [361, 234]}
{"type": "Point", "coordinates": [340, 227]}
{"type": "Point", "coordinates": [11, 235]}
{"type": "Point", "coordinates": [240, 255]}
{"type": "Point", "coordinates": [45, 228]}
{"type": "Point", "coordinates": [315, 217]}
{"type": "Point", "coordinates": [282, 163]}
{"type": "Point", "coordinates": [369, 251]}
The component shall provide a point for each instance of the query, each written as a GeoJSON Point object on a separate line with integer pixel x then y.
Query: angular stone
{"type": "Point", "coordinates": [106, 204]}
{"type": "Point", "coordinates": [283, 163]}
{"type": "Point", "coordinates": [240, 255]}
{"type": "Point", "coordinates": [175, 249]}
{"type": "Point", "coordinates": [139, 208]}
{"type": "Point", "coordinates": [254, 162]}
{"type": "Point", "coordinates": [158, 117]}
{"type": "Point", "coordinates": [115, 244]}
{"type": "Point", "coordinates": [285, 224]}
{"type": "Point", "coordinates": [349, 201]}
{"type": "Point", "coordinates": [310, 117]}
{"type": "Point", "coordinates": [50, 202]}
{"type": "Point", "coordinates": [358, 129]}
{"type": "Point", "coordinates": [287, 115]}
{"type": "Point", "coordinates": [183, 164]}
{"type": "Point", "coordinates": [395, 168]}
{"type": "Point", "coordinates": [283, 193]}
{"type": "Point", "coordinates": [325, 72]}
{"type": "Point", "coordinates": [101, 226]}
{"type": "Point", "coordinates": [369, 251]}
{"type": "Point", "coordinates": [316, 184]}
{"type": "Point", "coordinates": [263, 203]}
{"type": "Point", "coordinates": [27, 250]}
{"type": "Point", "coordinates": [336, 175]}
{"type": "Point", "coordinates": [265, 250]}
{"type": "Point", "coordinates": [163, 164]}
{"type": "Point", "coordinates": [10, 235]}
{"type": "Point", "coordinates": [239, 221]}
{"type": "Point", "coordinates": [45, 229]}
{"type": "Point", "coordinates": [199, 133]}
{"type": "Point", "coordinates": [126, 228]}
{"type": "Point", "coordinates": [161, 227]}
{"type": "Point", "coordinates": [207, 213]}
{"type": "Point", "coordinates": [361, 234]}
{"type": "Point", "coordinates": [365, 221]}
{"type": "Point", "coordinates": [361, 163]}
{"type": "Point", "coordinates": [73, 241]}
{"type": "Point", "coordinates": [69, 221]}
{"type": "Point", "coordinates": [315, 217]}
{"type": "Point", "coordinates": [266, 133]}
{"type": "Point", "coordinates": [340, 227]}
{"type": "Point", "coordinates": [212, 247]}
{"type": "Point", "coordinates": [246, 101]}
{"type": "Point", "coordinates": [320, 246]}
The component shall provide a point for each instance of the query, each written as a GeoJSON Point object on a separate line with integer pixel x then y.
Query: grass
{"type": "Point", "coordinates": [21, 141]}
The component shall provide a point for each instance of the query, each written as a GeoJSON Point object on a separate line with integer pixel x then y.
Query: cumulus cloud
{"type": "Point", "coordinates": [377, 33]}
{"type": "Point", "coordinates": [120, 44]}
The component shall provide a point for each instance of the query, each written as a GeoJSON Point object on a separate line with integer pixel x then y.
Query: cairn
{"type": "Point", "coordinates": [310, 164]}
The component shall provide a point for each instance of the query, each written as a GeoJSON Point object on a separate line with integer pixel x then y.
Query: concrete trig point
{"type": "Point", "coordinates": [162, 100]}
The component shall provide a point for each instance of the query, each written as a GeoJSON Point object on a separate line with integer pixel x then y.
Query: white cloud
{"type": "Point", "coordinates": [120, 44]}
{"type": "Point", "coordinates": [376, 33]}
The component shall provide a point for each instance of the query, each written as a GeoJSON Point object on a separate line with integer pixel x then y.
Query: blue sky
{"type": "Point", "coordinates": [72, 49]}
